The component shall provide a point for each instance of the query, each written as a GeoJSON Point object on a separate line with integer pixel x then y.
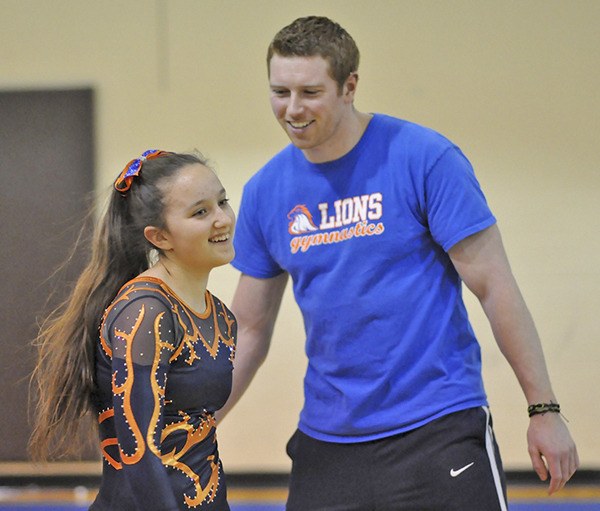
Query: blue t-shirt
{"type": "Point", "coordinates": [365, 240]}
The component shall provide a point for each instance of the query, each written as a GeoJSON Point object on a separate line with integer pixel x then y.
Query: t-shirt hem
{"type": "Point", "coordinates": [488, 222]}
{"type": "Point", "coordinates": [352, 439]}
{"type": "Point", "coordinates": [253, 272]}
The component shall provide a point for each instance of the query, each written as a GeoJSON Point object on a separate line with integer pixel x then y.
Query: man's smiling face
{"type": "Point", "coordinates": [309, 105]}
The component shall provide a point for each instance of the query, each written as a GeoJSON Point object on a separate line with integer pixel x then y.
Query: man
{"type": "Point", "coordinates": [378, 221]}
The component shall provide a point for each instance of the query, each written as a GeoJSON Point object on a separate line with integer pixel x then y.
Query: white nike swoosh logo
{"type": "Point", "coordinates": [455, 473]}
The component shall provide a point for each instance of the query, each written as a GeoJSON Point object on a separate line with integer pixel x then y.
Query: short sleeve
{"type": "Point", "coordinates": [456, 206]}
{"type": "Point", "coordinates": [252, 254]}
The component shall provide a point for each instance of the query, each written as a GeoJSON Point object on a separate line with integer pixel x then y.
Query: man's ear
{"type": "Point", "coordinates": [157, 237]}
{"type": "Point", "coordinates": [350, 85]}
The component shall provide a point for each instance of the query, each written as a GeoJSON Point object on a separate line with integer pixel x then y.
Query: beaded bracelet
{"type": "Point", "coordinates": [542, 408]}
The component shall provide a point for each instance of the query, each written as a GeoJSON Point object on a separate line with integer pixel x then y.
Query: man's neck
{"type": "Point", "coordinates": [354, 128]}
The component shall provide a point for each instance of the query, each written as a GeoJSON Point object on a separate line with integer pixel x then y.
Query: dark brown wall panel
{"type": "Point", "coordinates": [46, 185]}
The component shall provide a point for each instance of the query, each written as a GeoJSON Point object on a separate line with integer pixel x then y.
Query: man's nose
{"type": "Point", "coordinates": [295, 105]}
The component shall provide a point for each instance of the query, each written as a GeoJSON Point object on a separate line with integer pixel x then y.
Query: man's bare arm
{"type": "Point", "coordinates": [255, 304]}
{"type": "Point", "coordinates": [482, 264]}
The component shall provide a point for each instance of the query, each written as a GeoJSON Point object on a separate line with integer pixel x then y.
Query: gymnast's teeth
{"type": "Point", "coordinates": [219, 239]}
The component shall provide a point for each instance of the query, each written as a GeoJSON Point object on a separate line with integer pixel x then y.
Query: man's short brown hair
{"type": "Point", "coordinates": [318, 35]}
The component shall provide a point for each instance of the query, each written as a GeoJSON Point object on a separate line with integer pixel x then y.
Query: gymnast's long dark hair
{"type": "Point", "coordinates": [63, 379]}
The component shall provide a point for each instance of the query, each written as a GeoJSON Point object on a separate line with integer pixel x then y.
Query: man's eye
{"type": "Point", "coordinates": [222, 202]}
{"type": "Point", "coordinates": [200, 212]}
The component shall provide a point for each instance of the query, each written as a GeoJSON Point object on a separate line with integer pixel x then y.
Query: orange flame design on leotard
{"type": "Point", "coordinates": [194, 435]}
{"type": "Point", "coordinates": [125, 389]}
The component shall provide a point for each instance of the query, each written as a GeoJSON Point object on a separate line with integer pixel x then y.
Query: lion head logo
{"type": "Point", "coordinates": [301, 220]}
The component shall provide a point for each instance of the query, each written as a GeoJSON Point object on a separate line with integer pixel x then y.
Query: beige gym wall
{"type": "Point", "coordinates": [514, 83]}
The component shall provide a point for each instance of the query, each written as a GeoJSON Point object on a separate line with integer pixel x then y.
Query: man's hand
{"type": "Point", "coordinates": [552, 450]}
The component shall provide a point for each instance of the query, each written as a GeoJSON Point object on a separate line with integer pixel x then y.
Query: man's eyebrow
{"type": "Point", "coordinates": [304, 85]}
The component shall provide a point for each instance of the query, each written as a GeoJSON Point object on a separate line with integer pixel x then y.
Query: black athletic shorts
{"type": "Point", "coordinates": [452, 463]}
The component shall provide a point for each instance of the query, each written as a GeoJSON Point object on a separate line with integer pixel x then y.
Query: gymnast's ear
{"type": "Point", "coordinates": [158, 237]}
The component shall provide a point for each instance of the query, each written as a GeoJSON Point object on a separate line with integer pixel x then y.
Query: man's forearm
{"type": "Point", "coordinates": [518, 340]}
{"type": "Point", "coordinates": [251, 352]}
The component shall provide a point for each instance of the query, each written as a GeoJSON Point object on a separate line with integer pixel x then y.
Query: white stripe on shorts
{"type": "Point", "coordinates": [489, 445]}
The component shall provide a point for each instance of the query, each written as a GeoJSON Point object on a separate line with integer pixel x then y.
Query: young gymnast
{"type": "Point", "coordinates": [142, 344]}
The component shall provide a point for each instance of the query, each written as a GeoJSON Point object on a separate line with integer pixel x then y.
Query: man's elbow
{"type": "Point", "coordinates": [256, 344]}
